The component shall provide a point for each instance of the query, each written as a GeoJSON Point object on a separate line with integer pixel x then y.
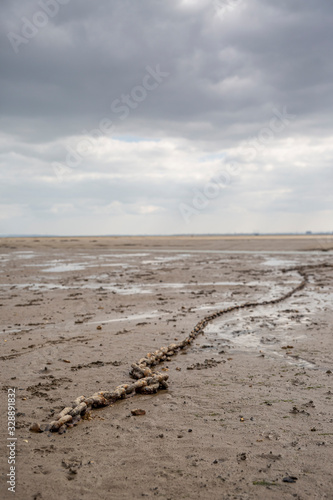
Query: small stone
{"type": "Point", "coordinates": [138, 412]}
{"type": "Point", "coordinates": [35, 428]}
{"type": "Point", "coordinates": [290, 479]}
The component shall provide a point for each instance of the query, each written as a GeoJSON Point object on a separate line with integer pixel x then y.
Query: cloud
{"type": "Point", "coordinates": [119, 112]}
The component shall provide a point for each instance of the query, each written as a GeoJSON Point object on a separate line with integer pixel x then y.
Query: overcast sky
{"type": "Point", "coordinates": [163, 117]}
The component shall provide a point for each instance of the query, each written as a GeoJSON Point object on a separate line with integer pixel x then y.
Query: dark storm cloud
{"type": "Point", "coordinates": [91, 53]}
{"type": "Point", "coordinates": [68, 64]}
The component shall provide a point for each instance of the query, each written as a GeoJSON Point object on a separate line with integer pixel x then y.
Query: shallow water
{"type": "Point", "coordinates": [280, 262]}
{"type": "Point", "coordinates": [265, 329]}
{"type": "Point", "coordinates": [144, 288]}
{"type": "Point", "coordinates": [61, 268]}
{"type": "Point", "coordinates": [132, 317]}
{"type": "Point", "coordinates": [131, 258]}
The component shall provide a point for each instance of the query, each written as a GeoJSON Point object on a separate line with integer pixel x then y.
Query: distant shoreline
{"type": "Point", "coordinates": [177, 236]}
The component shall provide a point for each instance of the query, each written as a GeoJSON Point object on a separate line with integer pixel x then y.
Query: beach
{"type": "Point", "coordinates": [248, 409]}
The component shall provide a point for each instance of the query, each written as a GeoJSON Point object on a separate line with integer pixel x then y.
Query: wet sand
{"type": "Point", "coordinates": [248, 405]}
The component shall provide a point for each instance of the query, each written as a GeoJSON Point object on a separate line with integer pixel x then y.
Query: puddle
{"type": "Point", "coordinates": [212, 307]}
{"type": "Point", "coordinates": [24, 254]}
{"type": "Point", "coordinates": [301, 363]}
{"type": "Point", "coordinates": [77, 266]}
{"type": "Point", "coordinates": [36, 287]}
{"type": "Point", "coordinates": [112, 264]}
{"type": "Point", "coordinates": [159, 260]}
{"type": "Point", "coordinates": [125, 290]}
{"type": "Point", "coordinates": [61, 267]}
{"type": "Point", "coordinates": [183, 285]}
{"type": "Point", "coordinates": [280, 262]}
{"type": "Point", "coordinates": [121, 255]}
{"type": "Point", "coordinates": [64, 268]}
{"type": "Point", "coordinates": [7, 331]}
{"type": "Point", "coordinates": [133, 317]}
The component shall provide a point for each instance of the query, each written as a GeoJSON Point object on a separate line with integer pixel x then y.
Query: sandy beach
{"type": "Point", "coordinates": [248, 411]}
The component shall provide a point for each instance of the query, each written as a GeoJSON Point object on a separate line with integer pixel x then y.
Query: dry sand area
{"type": "Point", "coordinates": [248, 410]}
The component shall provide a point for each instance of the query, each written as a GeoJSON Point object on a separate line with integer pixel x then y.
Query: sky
{"type": "Point", "coordinates": [166, 117]}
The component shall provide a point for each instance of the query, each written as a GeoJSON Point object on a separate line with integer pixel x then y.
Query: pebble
{"type": "Point", "coordinates": [35, 428]}
{"type": "Point", "coordinates": [290, 479]}
{"type": "Point", "coordinates": [138, 411]}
